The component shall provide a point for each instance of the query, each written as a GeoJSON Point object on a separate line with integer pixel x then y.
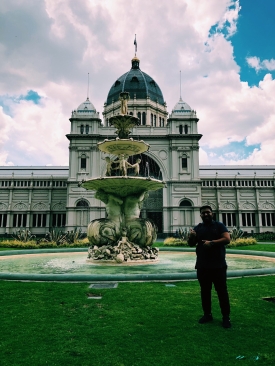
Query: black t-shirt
{"type": "Point", "coordinates": [214, 256]}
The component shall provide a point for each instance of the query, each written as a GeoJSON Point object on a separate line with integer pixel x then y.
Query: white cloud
{"type": "Point", "coordinates": [50, 47]}
{"type": "Point", "coordinates": [203, 157]}
{"type": "Point", "coordinates": [258, 65]}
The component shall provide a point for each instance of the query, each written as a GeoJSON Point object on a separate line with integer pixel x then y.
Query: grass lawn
{"type": "Point", "coordinates": [261, 247]}
{"type": "Point", "coordinates": [136, 324]}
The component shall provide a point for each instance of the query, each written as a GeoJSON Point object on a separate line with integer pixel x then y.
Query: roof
{"type": "Point", "coordinates": [181, 109]}
{"type": "Point", "coordinates": [85, 109]}
{"type": "Point", "coordinates": [35, 171]}
{"type": "Point", "coordinates": [236, 170]}
{"type": "Point", "coordinates": [137, 83]}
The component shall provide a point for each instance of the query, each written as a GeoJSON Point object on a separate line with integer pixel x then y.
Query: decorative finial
{"type": "Point", "coordinates": [135, 43]}
{"type": "Point", "coordinates": [88, 88]}
{"type": "Point", "coordinates": [180, 84]}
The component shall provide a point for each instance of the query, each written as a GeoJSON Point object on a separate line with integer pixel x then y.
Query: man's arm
{"type": "Point", "coordinates": [192, 238]}
{"type": "Point", "coordinates": [224, 240]}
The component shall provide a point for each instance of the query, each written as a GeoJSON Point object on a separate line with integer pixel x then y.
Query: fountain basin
{"type": "Point", "coordinates": [123, 186]}
{"type": "Point", "coordinates": [175, 264]}
{"type": "Point", "coordinates": [123, 146]}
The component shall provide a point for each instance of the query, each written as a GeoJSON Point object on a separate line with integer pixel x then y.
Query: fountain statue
{"type": "Point", "coordinates": [123, 236]}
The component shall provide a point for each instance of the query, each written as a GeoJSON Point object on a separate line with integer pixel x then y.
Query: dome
{"type": "Point", "coordinates": [86, 109]}
{"type": "Point", "coordinates": [137, 83]}
{"type": "Point", "coordinates": [181, 109]}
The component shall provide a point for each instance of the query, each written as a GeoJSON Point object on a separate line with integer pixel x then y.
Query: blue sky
{"type": "Point", "coordinates": [255, 36]}
{"type": "Point", "coordinates": [225, 50]}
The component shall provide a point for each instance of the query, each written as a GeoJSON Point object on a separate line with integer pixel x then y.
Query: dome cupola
{"type": "Point", "coordinates": [85, 110]}
{"type": "Point", "coordinates": [137, 83]}
{"type": "Point", "coordinates": [182, 109]}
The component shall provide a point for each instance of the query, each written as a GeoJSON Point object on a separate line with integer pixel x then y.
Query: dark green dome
{"type": "Point", "coordinates": [136, 83]}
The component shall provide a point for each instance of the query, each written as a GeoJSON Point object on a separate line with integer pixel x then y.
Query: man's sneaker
{"type": "Point", "coordinates": [226, 323]}
{"type": "Point", "coordinates": [206, 318]}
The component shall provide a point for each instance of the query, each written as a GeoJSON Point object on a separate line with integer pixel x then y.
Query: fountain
{"type": "Point", "coordinates": [123, 236]}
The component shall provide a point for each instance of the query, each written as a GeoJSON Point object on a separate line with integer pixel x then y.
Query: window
{"type": "Point", "coordinates": [229, 218]}
{"type": "Point", "coordinates": [268, 218]}
{"type": "Point", "coordinates": [139, 116]}
{"type": "Point", "coordinates": [19, 220]}
{"type": "Point", "coordinates": [180, 129]}
{"type": "Point", "coordinates": [155, 120]}
{"type": "Point", "coordinates": [3, 220]}
{"type": "Point", "coordinates": [143, 118]}
{"type": "Point", "coordinates": [87, 129]}
{"type": "Point", "coordinates": [81, 129]}
{"type": "Point", "coordinates": [152, 119]}
{"type": "Point", "coordinates": [83, 162]}
{"type": "Point", "coordinates": [162, 122]}
{"type": "Point", "coordinates": [131, 113]}
{"type": "Point", "coordinates": [184, 163]}
{"type": "Point", "coordinates": [185, 129]}
{"type": "Point", "coordinates": [185, 203]}
{"type": "Point", "coordinates": [58, 219]}
{"type": "Point", "coordinates": [159, 121]}
{"type": "Point", "coordinates": [39, 220]}
{"type": "Point", "coordinates": [248, 219]}
{"type": "Point", "coordinates": [82, 203]}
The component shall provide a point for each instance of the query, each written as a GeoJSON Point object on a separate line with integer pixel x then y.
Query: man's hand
{"type": "Point", "coordinates": [192, 233]}
{"type": "Point", "coordinates": [207, 243]}
{"type": "Point", "coordinates": [192, 238]}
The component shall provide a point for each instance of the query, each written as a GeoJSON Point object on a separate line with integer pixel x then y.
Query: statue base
{"type": "Point", "coordinates": [124, 251]}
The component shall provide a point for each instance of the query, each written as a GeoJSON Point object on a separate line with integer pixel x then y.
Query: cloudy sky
{"type": "Point", "coordinates": [225, 50]}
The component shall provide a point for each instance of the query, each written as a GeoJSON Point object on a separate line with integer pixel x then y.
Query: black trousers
{"type": "Point", "coordinates": [216, 276]}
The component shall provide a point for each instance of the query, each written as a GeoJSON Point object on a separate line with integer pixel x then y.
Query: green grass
{"type": "Point", "coordinates": [260, 247]}
{"type": "Point", "coordinates": [136, 324]}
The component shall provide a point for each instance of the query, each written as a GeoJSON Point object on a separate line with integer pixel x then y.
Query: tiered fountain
{"type": "Point", "coordinates": [123, 236]}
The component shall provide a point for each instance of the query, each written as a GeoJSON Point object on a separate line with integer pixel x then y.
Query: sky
{"type": "Point", "coordinates": [225, 50]}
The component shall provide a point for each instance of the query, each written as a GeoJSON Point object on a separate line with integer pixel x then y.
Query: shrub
{"type": "Point", "coordinates": [42, 244]}
{"type": "Point", "coordinates": [175, 242]}
{"type": "Point", "coordinates": [23, 235]}
{"type": "Point", "coordinates": [74, 236]}
{"type": "Point", "coordinates": [235, 233]}
{"type": "Point", "coordinates": [242, 242]}
{"type": "Point", "coordinates": [267, 236]}
{"type": "Point", "coordinates": [55, 236]}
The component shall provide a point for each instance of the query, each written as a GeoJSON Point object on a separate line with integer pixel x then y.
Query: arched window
{"type": "Point", "coordinates": [81, 129]}
{"type": "Point", "coordinates": [180, 129]}
{"type": "Point", "coordinates": [185, 203]}
{"type": "Point", "coordinates": [83, 161]}
{"type": "Point", "coordinates": [139, 116]}
{"type": "Point", "coordinates": [155, 120]}
{"type": "Point", "coordinates": [87, 129]}
{"type": "Point", "coordinates": [152, 120]}
{"type": "Point", "coordinates": [82, 203]}
{"type": "Point", "coordinates": [131, 113]}
{"type": "Point", "coordinates": [162, 122]}
{"type": "Point", "coordinates": [185, 129]}
{"type": "Point", "coordinates": [143, 118]}
{"type": "Point", "coordinates": [159, 121]}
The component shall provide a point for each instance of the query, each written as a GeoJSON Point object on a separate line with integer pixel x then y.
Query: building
{"type": "Point", "coordinates": [39, 198]}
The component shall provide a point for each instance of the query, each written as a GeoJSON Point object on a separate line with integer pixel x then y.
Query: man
{"type": "Point", "coordinates": [210, 238]}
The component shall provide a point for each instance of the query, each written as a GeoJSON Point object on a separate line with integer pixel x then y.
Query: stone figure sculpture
{"type": "Point", "coordinates": [124, 97]}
